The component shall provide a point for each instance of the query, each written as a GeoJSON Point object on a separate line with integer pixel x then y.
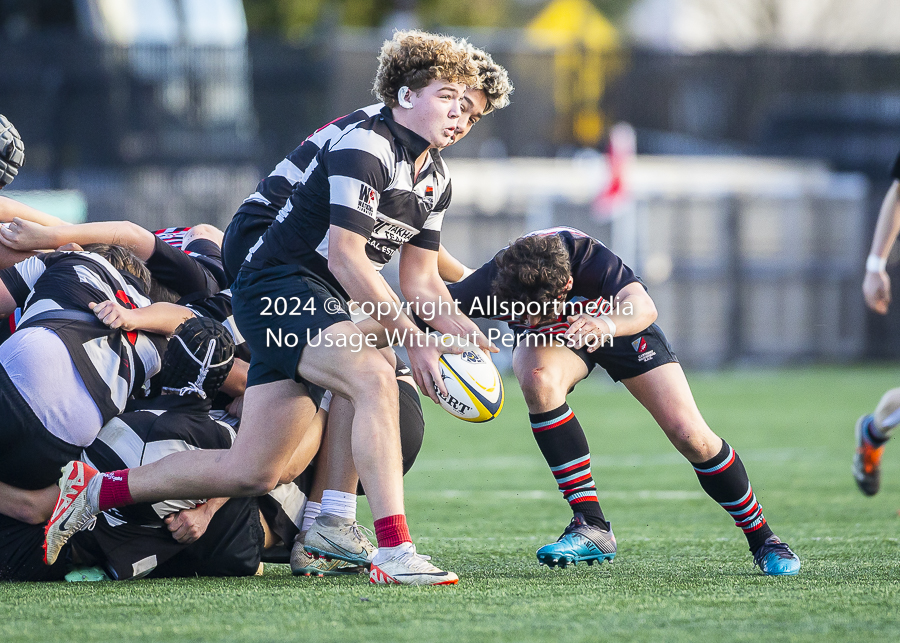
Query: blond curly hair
{"type": "Point", "coordinates": [493, 80]}
{"type": "Point", "coordinates": [415, 58]}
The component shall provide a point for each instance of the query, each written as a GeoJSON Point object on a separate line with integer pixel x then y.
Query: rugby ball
{"type": "Point", "coordinates": [474, 385]}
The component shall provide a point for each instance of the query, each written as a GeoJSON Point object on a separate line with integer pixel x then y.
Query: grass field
{"type": "Point", "coordinates": [481, 501]}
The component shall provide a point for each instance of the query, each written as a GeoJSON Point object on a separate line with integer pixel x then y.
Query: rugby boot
{"type": "Point", "coordinates": [579, 542]}
{"type": "Point", "coordinates": [303, 564]}
{"type": "Point", "coordinates": [406, 567]}
{"type": "Point", "coordinates": [775, 558]}
{"type": "Point", "coordinates": [72, 512]}
{"type": "Point", "coordinates": [333, 537]}
{"type": "Point", "coordinates": [867, 461]}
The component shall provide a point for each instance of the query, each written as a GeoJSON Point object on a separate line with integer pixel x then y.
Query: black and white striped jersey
{"type": "Point", "coordinates": [598, 274]}
{"type": "Point", "coordinates": [154, 428]}
{"type": "Point", "coordinates": [112, 363]}
{"type": "Point", "coordinates": [273, 191]}
{"type": "Point", "coordinates": [363, 181]}
{"type": "Point", "coordinates": [150, 430]}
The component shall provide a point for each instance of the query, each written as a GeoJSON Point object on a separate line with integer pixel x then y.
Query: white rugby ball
{"type": "Point", "coordinates": [474, 385]}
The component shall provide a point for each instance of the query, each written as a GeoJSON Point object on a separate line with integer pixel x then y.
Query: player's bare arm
{"type": "Point", "coordinates": [450, 268]}
{"type": "Point", "coordinates": [631, 311]}
{"type": "Point", "coordinates": [25, 235]}
{"type": "Point", "coordinates": [877, 284]}
{"type": "Point", "coordinates": [421, 283]}
{"type": "Point", "coordinates": [162, 317]}
{"type": "Point", "coordinates": [10, 209]}
{"type": "Point", "coordinates": [348, 262]}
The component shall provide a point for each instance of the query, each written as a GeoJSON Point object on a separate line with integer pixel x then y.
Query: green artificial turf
{"type": "Point", "coordinates": [481, 501]}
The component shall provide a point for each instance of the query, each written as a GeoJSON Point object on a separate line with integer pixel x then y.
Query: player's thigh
{"type": "Point", "coordinates": [664, 391]}
{"type": "Point", "coordinates": [339, 359]}
{"type": "Point", "coordinates": [276, 418]}
{"type": "Point", "coordinates": [548, 368]}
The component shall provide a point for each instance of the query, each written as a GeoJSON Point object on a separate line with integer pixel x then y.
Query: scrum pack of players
{"type": "Point", "coordinates": [123, 304]}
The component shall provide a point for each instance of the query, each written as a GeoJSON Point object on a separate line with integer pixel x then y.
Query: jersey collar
{"type": "Point", "coordinates": [414, 143]}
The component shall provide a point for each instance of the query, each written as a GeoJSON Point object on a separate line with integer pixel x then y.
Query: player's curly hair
{"type": "Point", "coordinates": [415, 58]}
{"type": "Point", "coordinates": [492, 79]}
{"type": "Point", "coordinates": [533, 268]}
{"type": "Point", "coordinates": [198, 358]}
{"type": "Point", "coordinates": [123, 260]}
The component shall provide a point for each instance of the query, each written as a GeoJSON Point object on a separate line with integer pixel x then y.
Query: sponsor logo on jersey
{"type": "Point", "coordinates": [367, 198]}
{"type": "Point", "coordinates": [429, 197]}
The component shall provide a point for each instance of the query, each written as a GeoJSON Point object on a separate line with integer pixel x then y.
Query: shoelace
{"type": "Point", "coordinates": [87, 522]}
{"type": "Point", "coordinates": [362, 532]}
{"type": "Point", "coordinates": [417, 562]}
{"type": "Point", "coordinates": [781, 549]}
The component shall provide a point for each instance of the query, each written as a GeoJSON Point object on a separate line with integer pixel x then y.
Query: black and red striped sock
{"type": "Point", "coordinates": [725, 480]}
{"type": "Point", "coordinates": [562, 442]}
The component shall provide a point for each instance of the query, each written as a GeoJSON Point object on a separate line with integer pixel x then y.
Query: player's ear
{"type": "Point", "coordinates": [569, 283]}
{"type": "Point", "coordinates": [403, 96]}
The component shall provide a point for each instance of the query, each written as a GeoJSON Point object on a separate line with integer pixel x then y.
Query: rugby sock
{"type": "Point", "coordinates": [310, 513]}
{"type": "Point", "coordinates": [113, 491]}
{"type": "Point", "coordinates": [725, 480]}
{"type": "Point", "coordinates": [561, 440]}
{"type": "Point", "coordinates": [339, 503]}
{"type": "Point", "coordinates": [391, 531]}
{"type": "Point", "coordinates": [872, 435]}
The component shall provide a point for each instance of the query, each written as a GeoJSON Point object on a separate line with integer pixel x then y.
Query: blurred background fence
{"type": "Point", "coordinates": [750, 202]}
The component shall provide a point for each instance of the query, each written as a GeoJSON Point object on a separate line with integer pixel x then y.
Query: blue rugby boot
{"type": "Point", "coordinates": [775, 558]}
{"type": "Point", "coordinates": [579, 542]}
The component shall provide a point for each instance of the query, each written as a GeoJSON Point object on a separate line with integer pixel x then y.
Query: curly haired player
{"type": "Point", "coordinates": [583, 308]}
{"type": "Point", "coordinates": [381, 187]}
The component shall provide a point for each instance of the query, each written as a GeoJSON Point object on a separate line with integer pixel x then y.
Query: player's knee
{"type": "Point", "coordinates": [258, 484]}
{"type": "Point", "coordinates": [691, 437]}
{"type": "Point", "coordinates": [375, 380]}
{"type": "Point", "coordinates": [540, 386]}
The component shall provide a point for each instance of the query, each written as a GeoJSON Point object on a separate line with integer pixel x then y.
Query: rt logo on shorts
{"type": "Point", "coordinates": [640, 345]}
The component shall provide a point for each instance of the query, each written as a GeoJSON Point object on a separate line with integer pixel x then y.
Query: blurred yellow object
{"type": "Point", "coordinates": [586, 49]}
{"type": "Point", "coordinates": [564, 23]}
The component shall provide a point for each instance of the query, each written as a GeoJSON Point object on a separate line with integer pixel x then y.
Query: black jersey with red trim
{"type": "Point", "coordinates": [362, 181]}
{"type": "Point", "coordinates": [598, 274]}
{"type": "Point", "coordinates": [172, 270]}
{"type": "Point", "coordinates": [112, 363]}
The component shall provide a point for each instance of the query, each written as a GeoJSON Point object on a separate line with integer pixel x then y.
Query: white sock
{"type": "Point", "coordinates": [312, 510]}
{"type": "Point", "coordinates": [339, 503]}
{"type": "Point", "coordinates": [386, 553]}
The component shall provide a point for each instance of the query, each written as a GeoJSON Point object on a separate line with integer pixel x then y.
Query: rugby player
{"type": "Point", "coordinates": [581, 295]}
{"type": "Point", "coordinates": [873, 430]}
{"type": "Point", "coordinates": [215, 537]}
{"type": "Point", "coordinates": [381, 187]}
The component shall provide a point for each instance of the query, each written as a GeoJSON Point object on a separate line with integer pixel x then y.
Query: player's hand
{"type": "Point", "coordinates": [586, 331]}
{"type": "Point", "coordinates": [189, 524]}
{"type": "Point", "coordinates": [26, 235]}
{"type": "Point", "coordinates": [236, 406]}
{"type": "Point", "coordinates": [113, 314]}
{"type": "Point", "coordinates": [424, 352]}
{"type": "Point", "coordinates": [877, 291]}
